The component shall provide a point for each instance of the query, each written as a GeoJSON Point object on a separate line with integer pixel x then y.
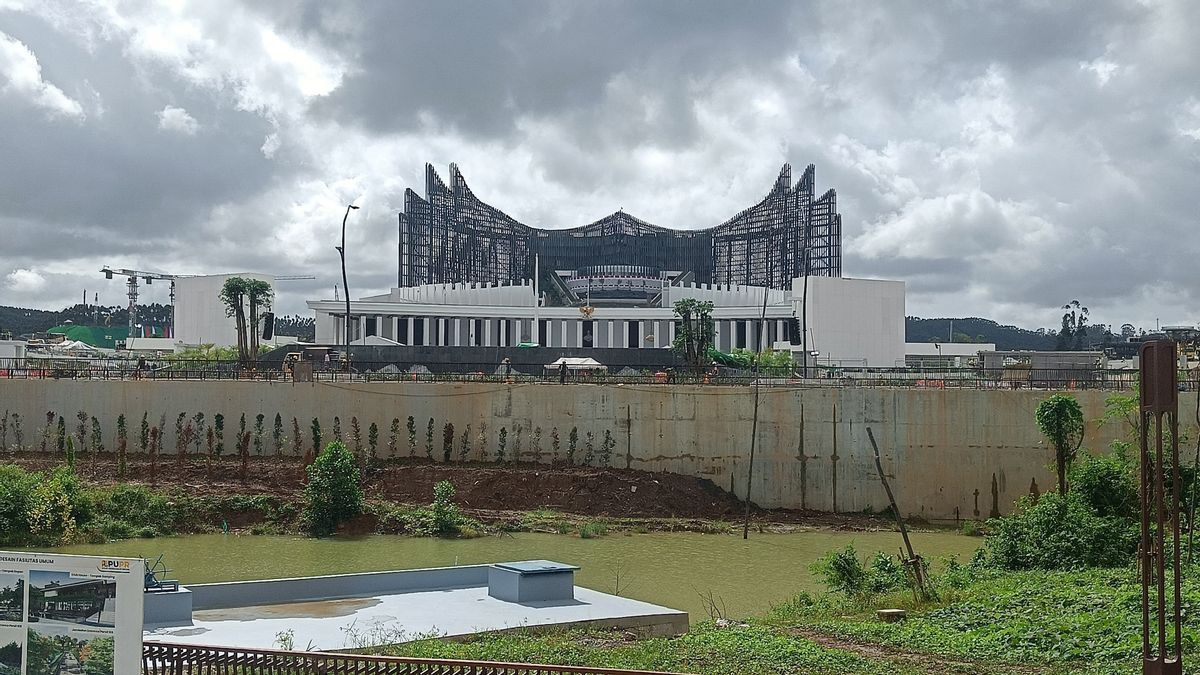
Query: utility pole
{"type": "Point", "coordinates": [345, 285]}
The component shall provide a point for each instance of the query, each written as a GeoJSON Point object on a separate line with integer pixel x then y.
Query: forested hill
{"type": "Point", "coordinates": [18, 320]}
{"type": "Point", "coordinates": [975, 329]}
{"type": "Point", "coordinates": [21, 321]}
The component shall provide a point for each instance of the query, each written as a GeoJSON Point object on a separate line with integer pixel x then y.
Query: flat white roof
{"type": "Point", "coordinates": [329, 625]}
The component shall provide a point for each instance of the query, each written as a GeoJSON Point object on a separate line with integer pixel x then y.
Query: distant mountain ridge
{"type": "Point", "coordinates": [976, 329]}
{"type": "Point", "coordinates": [19, 321]}
{"type": "Point", "coordinates": [22, 321]}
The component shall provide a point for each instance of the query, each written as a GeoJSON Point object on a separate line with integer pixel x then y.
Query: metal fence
{"type": "Point", "coordinates": [390, 371]}
{"type": "Point", "coordinates": [174, 659]}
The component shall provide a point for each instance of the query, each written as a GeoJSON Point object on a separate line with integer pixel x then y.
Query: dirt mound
{"type": "Point", "coordinates": [518, 487]}
{"type": "Point", "coordinates": [601, 492]}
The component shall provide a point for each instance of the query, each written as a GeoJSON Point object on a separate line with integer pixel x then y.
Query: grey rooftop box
{"type": "Point", "coordinates": [532, 581]}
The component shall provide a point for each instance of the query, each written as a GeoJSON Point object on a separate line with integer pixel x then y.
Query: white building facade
{"type": "Point", "coordinates": [199, 313]}
{"type": "Point", "coordinates": [851, 322]}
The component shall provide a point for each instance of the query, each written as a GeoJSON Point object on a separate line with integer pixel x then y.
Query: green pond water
{"type": "Point", "coordinates": [671, 569]}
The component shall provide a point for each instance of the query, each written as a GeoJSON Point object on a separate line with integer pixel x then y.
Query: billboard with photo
{"type": "Point", "coordinates": [62, 614]}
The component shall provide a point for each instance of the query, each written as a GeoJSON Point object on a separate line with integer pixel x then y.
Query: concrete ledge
{"type": "Point", "coordinates": [303, 589]}
{"type": "Point", "coordinates": [167, 608]}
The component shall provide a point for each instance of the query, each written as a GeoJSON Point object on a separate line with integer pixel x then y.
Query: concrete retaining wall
{"type": "Point", "coordinates": [303, 589]}
{"type": "Point", "coordinates": [949, 453]}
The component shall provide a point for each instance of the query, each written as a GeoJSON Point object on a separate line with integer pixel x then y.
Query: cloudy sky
{"type": "Point", "coordinates": [1002, 158]}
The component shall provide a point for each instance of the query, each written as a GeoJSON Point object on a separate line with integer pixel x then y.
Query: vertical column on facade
{"type": "Point", "coordinates": [409, 328]}
{"type": "Point", "coordinates": [426, 331]}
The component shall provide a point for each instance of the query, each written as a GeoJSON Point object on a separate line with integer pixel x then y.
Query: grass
{"type": "Point", "coordinates": [707, 649]}
{"type": "Point", "coordinates": [1057, 622]}
{"type": "Point", "coordinates": [1077, 621]}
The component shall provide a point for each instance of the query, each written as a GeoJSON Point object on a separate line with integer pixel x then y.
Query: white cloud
{"type": "Point", "coordinates": [21, 74]}
{"type": "Point", "coordinates": [172, 118]}
{"type": "Point", "coordinates": [1102, 68]}
{"type": "Point", "coordinates": [1187, 122]}
{"type": "Point", "coordinates": [25, 281]}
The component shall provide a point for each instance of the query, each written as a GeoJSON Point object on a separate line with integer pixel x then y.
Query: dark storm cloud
{"type": "Point", "coordinates": [115, 179]}
{"type": "Point", "coordinates": [999, 157]}
{"type": "Point", "coordinates": [478, 66]}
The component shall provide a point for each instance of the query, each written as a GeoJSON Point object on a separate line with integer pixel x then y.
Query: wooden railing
{"type": "Point", "coordinates": [175, 659]}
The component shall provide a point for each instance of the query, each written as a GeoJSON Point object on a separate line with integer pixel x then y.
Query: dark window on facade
{"type": "Point", "coordinates": [419, 332]}
{"type": "Point", "coordinates": [632, 332]}
{"type": "Point", "coordinates": [740, 338]}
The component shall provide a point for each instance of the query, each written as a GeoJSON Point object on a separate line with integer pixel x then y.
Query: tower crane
{"type": "Point", "coordinates": [131, 289]}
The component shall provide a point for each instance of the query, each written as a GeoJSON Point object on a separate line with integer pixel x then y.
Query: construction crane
{"type": "Point", "coordinates": [131, 286]}
{"type": "Point", "coordinates": [131, 289]}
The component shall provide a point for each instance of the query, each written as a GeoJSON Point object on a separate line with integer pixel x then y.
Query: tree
{"type": "Point", "coordinates": [261, 296]}
{"type": "Point", "coordinates": [233, 294]}
{"type": "Point", "coordinates": [332, 495]}
{"type": "Point", "coordinates": [237, 293]}
{"type": "Point", "coordinates": [1060, 419]}
{"type": "Point", "coordinates": [1074, 327]}
{"type": "Point", "coordinates": [693, 331]}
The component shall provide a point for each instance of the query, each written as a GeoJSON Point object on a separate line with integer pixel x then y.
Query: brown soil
{"type": "Point", "coordinates": [927, 663]}
{"type": "Point", "coordinates": [492, 491]}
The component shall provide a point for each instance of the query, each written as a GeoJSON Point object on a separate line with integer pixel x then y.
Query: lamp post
{"type": "Point", "coordinates": [345, 286]}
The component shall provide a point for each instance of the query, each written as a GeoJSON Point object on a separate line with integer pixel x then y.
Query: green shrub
{"type": "Point", "coordinates": [1059, 532]}
{"type": "Point", "coordinates": [16, 489]}
{"type": "Point", "coordinates": [844, 572]}
{"type": "Point", "coordinates": [447, 519]}
{"type": "Point", "coordinates": [1107, 485]}
{"type": "Point", "coordinates": [133, 507]}
{"type": "Point", "coordinates": [332, 495]}
{"type": "Point", "coordinates": [593, 530]}
{"type": "Point", "coordinates": [56, 506]}
{"type": "Point", "coordinates": [442, 518]}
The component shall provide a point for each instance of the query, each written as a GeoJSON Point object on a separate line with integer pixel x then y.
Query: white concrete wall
{"type": "Point", "coordinates": [12, 349]}
{"type": "Point", "coordinates": [947, 349]}
{"type": "Point", "coordinates": [948, 453]}
{"type": "Point", "coordinates": [853, 321]}
{"type": "Point", "coordinates": [200, 314]}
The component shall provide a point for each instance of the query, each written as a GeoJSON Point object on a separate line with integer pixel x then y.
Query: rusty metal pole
{"type": "Point", "coordinates": [1159, 408]}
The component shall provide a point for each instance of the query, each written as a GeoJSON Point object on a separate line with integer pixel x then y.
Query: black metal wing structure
{"type": "Point", "coordinates": [450, 236]}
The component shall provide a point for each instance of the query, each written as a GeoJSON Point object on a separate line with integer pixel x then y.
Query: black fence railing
{"type": "Point", "coordinates": [174, 659]}
{"type": "Point", "coordinates": [788, 376]}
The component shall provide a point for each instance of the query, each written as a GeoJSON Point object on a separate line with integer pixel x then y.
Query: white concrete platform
{"type": "Point", "coordinates": [371, 620]}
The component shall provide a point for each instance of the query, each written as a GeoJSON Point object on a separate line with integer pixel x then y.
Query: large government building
{"type": "Point", "coordinates": [469, 275]}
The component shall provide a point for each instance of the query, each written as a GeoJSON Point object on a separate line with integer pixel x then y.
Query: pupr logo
{"type": "Point", "coordinates": [107, 565]}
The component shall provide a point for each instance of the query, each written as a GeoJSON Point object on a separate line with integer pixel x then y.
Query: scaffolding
{"type": "Point", "coordinates": [450, 236]}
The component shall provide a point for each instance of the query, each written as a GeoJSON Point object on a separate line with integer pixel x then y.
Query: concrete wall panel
{"type": "Point", "coordinates": [948, 453]}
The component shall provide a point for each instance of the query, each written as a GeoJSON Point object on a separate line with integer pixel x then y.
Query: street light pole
{"type": "Point", "coordinates": [345, 287]}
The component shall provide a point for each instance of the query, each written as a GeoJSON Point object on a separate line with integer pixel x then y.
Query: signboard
{"type": "Point", "coordinates": [70, 614]}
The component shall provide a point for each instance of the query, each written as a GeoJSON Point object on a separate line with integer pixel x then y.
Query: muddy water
{"type": "Point", "coordinates": [672, 569]}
